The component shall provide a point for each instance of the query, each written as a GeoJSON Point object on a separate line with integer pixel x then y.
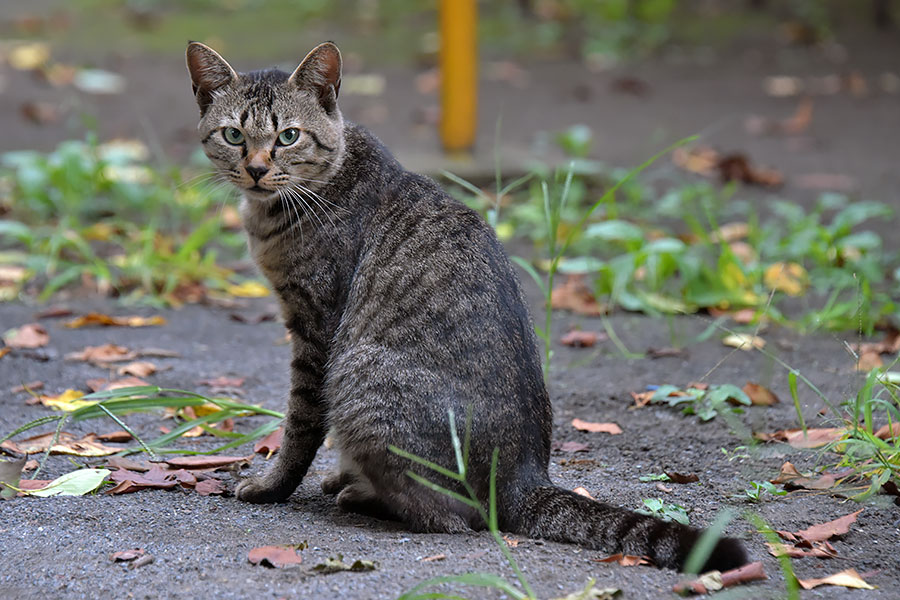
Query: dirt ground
{"type": "Point", "coordinates": [59, 547]}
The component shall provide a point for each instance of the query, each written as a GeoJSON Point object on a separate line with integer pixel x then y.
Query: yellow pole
{"type": "Point", "coordinates": [459, 74]}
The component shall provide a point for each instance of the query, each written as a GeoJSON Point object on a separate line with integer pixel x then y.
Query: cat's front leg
{"type": "Point", "coordinates": [304, 432]}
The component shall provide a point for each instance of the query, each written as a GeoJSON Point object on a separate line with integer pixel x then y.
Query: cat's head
{"type": "Point", "coordinates": [270, 131]}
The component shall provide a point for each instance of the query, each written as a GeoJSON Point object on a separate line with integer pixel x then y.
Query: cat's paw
{"type": "Point", "coordinates": [259, 491]}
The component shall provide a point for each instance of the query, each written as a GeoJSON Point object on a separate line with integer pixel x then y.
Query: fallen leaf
{"type": "Point", "coordinates": [76, 483]}
{"type": "Point", "coordinates": [849, 579]}
{"type": "Point", "coordinates": [4, 352]}
{"type": "Point", "coordinates": [760, 395]}
{"type": "Point", "coordinates": [579, 339]}
{"type": "Point", "coordinates": [126, 555]}
{"type": "Point", "coordinates": [626, 560]}
{"type": "Point", "coordinates": [252, 320]}
{"type": "Point", "coordinates": [102, 320]}
{"type": "Point", "coordinates": [275, 556]}
{"type": "Point", "coordinates": [335, 565]}
{"type": "Point", "coordinates": [31, 386]}
{"type": "Point", "coordinates": [818, 550]}
{"type": "Point", "coordinates": [583, 492]}
{"type": "Point", "coordinates": [737, 167]}
{"type": "Point", "coordinates": [31, 335]}
{"type": "Point", "coordinates": [574, 447]}
{"type": "Point", "coordinates": [790, 278]}
{"type": "Point", "coordinates": [574, 295]}
{"type": "Point", "coordinates": [270, 444]}
{"type": "Point", "coordinates": [886, 432]}
{"type": "Point", "coordinates": [796, 124]}
{"type": "Point", "coordinates": [67, 401]}
{"type": "Point", "coordinates": [681, 478]}
{"type": "Point", "coordinates": [744, 341]}
{"type": "Point", "coordinates": [223, 382]}
{"type": "Point", "coordinates": [814, 438]}
{"type": "Point", "coordinates": [101, 384]}
{"type": "Point", "coordinates": [138, 368]}
{"type": "Point", "coordinates": [714, 580]}
{"type": "Point", "coordinates": [206, 462]}
{"type": "Point", "coordinates": [120, 462]}
{"type": "Point", "coordinates": [120, 436]}
{"type": "Point", "coordinates": [610, 428]}
{"type": "Point", "coordinates": [702, 160]}
{"type": "Point", "coordinates": [824, 531]}
{"type": "Point", "coordinates": [593, 593]}
{"type": "Point", "coordinates": [511, 541]}
{"type": "Point", "coordinates": [98, 81]}
{"type": "Point", "coordinates": [665, 352]}
{"type": "Point", "coordinates": [248, 289]}
{"type": "Point", "coordinates": [792, 479]}
{"type": "Point", "coordinates": [28, 57]}
{"type": "Point", "coordinates": [868, 361]}
{"type": "Point", "coordinates": [65, 444]}
{"type": "Point", "coordinates": [54, 312]}
{"type": "Point", "coordinates": [107, 353]}
{"type": "Point", "coordinates": [210, 487]}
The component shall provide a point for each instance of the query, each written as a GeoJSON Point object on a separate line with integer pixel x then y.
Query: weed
{"type": "Point", "coordinates": [758, 489]}
{"type": "Point", "coordinates": [706, 404]}
{"type": "Point", "coordinates": [654, 477]}
{"type": "Point", "coordinates": [667, 512]}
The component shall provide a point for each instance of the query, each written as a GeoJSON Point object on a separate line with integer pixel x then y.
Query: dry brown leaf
{"type": "Point", "coordinates": [642, 399]}
{"type": "Point", "coordinates": [737, 167]}
{"type": "Point", "coordinates": [54, 312]}
{"type": "Point", "coordinates": [126, 555]}
{"type": "Point", "coordinates": [814, 438]}
{"type": "Point", "coordinates": [788, 277]}
{"type": "Point", "coordinates": [120, 436]}
{"type": "Point", "coordinates": [886, 432]}
{"type": "Point", "coordinates": [712, 581]}
{"type": "Point", "coordinates": [817, 550]}
{"type": "Point", "coordinates": [792, 479]}
{"type": "Point", "coordinates": [65, 444]}
{"type": "Point", "coordinates": [101, 384]}
{"type": "Point", "coordinates": [107, 353]}
{"type": "Point", "coordinates": [849, 579]}
{"type": "Point", "coordinates": [574, 447]}
{"type": "Point", "coordinates": [579, 339]}
{"type": "Point", "coordinates": [702, 160]}
{"type": "Point", "coordinates": [889, 345]}
{"type": "Point", "coordinates": [511, 541]}
{"type": "Point", "coordinates": [30, 335]}
{"type": "Point", "coordinates": [730, 232]}
{"type": "Point", "coordinates": [760, 395]}
{"type": "Point", "coordinates": [102, 320]}
{"type": "Point", "coordinates": [4, 351]}
{"type": "Point", "coordinates": [210, 487]}
{"type": "Point", "coordinates": [796, 124]}
{"type": "Point", "coordinates": [223, 382]}
{"type": "Point", "coordinates": [206, 462]}
{"type": "Point", "coordinates": [583, 492]}
{"type": "Point", "coordinates": [575, 295]}
{"type": "Point", "coordinates": [275, 556]}
{"type": "Point", "coordinates": [824, 531]}
{"type": "Point", "coordinates": [270, 444]}
{"type": "Point", "coordinates": [868, 361]}
{"type": "Point", "coordinates": [681, 478]}
{"type": "Point", "coordinates": [666, 352]}
{"type": "Point", "coordinates": [610, 428]}
{"type": "Point", "coordinates": [626, 560]}
{"type": "Point", "coordinates": [138, 368]}
{"type": "Point", "coordinates": [31, 386]}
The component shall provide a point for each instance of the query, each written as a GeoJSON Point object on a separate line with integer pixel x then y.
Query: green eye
{"type": "Point", "coordinates": [233, 136]}
{"type": "Point", "coordinates": [288, 136]}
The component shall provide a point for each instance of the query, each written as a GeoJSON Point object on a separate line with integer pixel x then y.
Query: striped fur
{"type": "Point", "coordinates": [402, 305]}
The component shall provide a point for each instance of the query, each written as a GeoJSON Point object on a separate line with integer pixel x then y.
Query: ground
{"type": "Point", "coordinates": [59, 547]}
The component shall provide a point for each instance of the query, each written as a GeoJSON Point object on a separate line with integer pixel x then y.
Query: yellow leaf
{"type": "Point", "coordinates": [849, 578]}
{"type": "Point", "coordinates": [744, 341]}
{"type": "Point", "coordinates": [67, 401]}
{"type": "Point", "coordinates": [733, 276]}
{"type": "Point", "coordinates": [248, 289]}
{"type": "Point", "coordinates": [790, 278]}
{"type": "Point", "coordinates": [206, 408]}
{"type": "Point", "coordinates": [28, 57]}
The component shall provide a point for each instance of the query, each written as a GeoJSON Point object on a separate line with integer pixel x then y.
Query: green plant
{"type": "Point", "coordinates": [100, 214]}
{"type": "Point", "coordinates": [662, 510]}
{"type": "Point", "coordinates": [706, 404]}
{"type": "Point", "coordinates": [758, 489]}
{"type": "Point", "coordinates": [115, 403]}
{"type": "Point", "coordinates": [489, 516]}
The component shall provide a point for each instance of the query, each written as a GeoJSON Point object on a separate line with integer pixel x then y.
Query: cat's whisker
{"type": "Point", "coordinates": [312, 198]}
{"type": "Point", "coordinates": [307, 208]}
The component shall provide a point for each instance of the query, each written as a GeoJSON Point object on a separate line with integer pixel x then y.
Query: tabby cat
{"type": "Point", "coordinates": [401, 305]}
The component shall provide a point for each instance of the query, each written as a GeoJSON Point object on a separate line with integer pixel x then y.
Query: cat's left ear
{"type": "Point", "coordinates": [320, 72]}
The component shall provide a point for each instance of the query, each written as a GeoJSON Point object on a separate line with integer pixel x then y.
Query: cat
{"type": "Point", "coordinates": [402, 305]}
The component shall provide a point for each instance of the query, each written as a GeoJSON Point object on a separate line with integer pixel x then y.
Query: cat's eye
{"type": "Point", "coordinates": [233, 136]}
{"type": "Point", "coordinates": [288, 136]}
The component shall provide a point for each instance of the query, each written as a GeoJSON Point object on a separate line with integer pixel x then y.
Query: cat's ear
{"type": "Point", "coordinates": [209, 72]}
{"type": "Point", "coordinates": [320, 72]}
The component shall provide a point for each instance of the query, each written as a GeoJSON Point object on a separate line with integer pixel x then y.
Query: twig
{"type": "Point", "coordinates": [714, 580]}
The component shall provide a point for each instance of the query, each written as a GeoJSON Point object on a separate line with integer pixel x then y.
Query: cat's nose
{"type": "Point", "coordinates": [256, 172]}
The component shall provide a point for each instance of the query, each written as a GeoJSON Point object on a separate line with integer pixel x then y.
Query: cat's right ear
{"type": "Point", "coordinates": [320, 72]}
{"type": "Point", "coordinates": [209, 72]}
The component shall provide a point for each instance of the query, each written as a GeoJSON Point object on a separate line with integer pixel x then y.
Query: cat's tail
{"type": "Point", "coordinates": [559, 515]}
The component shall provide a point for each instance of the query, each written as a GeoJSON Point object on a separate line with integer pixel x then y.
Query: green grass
{"type": "Point", "coordinates": [103, 217]}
